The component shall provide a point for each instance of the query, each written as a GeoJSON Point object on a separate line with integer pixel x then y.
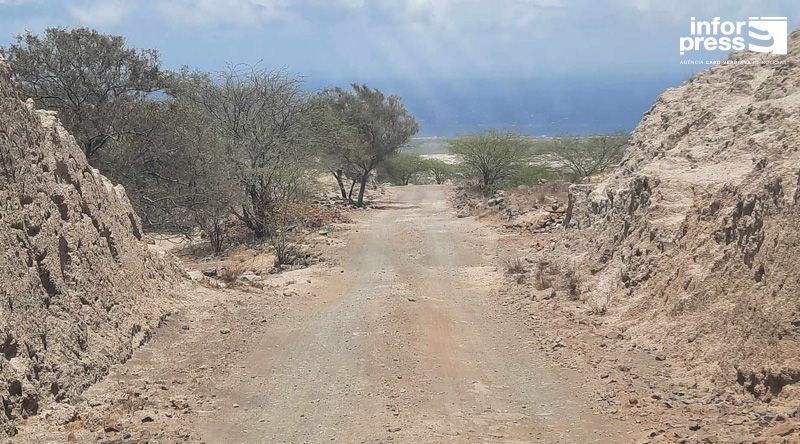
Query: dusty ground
{"type": "Point", "coordinates": [410, 331]}
{"type": "Point", "coordinates": [399, 336]}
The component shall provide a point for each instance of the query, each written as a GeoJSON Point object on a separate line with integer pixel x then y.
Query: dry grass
{"type": "Point", "coordinates": [541, 194]}
{"type": "Point", "coordinates": [231, 273]}
{"type": "Point", "coordinates": [542, 276]}
{"type": "Point", "coordinates": [514, 265]}
{"type": "Point", "coordinates": [290, 252]}
{"type": "Point", "coordinates": [572, 284]}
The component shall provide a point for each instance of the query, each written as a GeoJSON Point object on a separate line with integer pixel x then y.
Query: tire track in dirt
{"type": "Point", "coordinates": [406, 346]}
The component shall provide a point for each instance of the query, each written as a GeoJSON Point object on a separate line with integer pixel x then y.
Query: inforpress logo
{"type": "Point", "coordinates": [758, 34]}
{"type": "Point", "coordinates": [767, 34]}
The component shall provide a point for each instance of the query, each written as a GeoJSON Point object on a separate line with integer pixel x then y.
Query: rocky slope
{"type": "Point", "coordinates": [693, 241]}
{"type": "Point", "coordinates": [79, 290]}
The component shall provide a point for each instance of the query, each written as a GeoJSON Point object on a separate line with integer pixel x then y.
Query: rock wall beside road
{"type": "Point", "coordinates": [79, 289]}
{"type": "Point", "coordinates": [694, 239]}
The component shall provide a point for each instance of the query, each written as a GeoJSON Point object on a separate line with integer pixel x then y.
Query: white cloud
{"type": "Point", "coordinates": [99, 13]}
{"type": "Point", "coordinates": [223, 12]}
{"type": "Point", "coordinates": [446, 14]}
{"type": "Point", "coordinates": [453, 14]}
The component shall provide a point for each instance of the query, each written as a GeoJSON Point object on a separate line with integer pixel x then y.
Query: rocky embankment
{"type": "Point", "coordinates": [693, 240]}
{"type": "Point", "coordinates": [79, 289]}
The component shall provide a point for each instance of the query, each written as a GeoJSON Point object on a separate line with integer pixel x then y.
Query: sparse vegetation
{"type": "Point", "coordinates": [542, 276]}
{"type": "Point", "coordinates": [551, 288]}
{"type": "Point", "coordinates": [93, 80]}
{"type": "Point", "coordinates": [381, 126]}
{"type": "Point", "coordinates": [586, 156]}
{"type": "Point", "coordinates": [572, 284]}
{"type": "Point", "coordinates": [244, 142]}
{"type": "Point", "coordinates": [403, 167]}
{"type": "Point", "coordinates": [230, 273]}
{"type": "Point", "coordinates": [440, 170]}
{"type": "Point", "coordinates": [491, 156]}
{"type": "Point", "coordinates": [288, 251]}
{"type": "Point", "coordinates": [514, 265]}
{"type": "Point", "coordinates": [531, 174]}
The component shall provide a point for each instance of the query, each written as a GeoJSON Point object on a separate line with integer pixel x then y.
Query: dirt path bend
{"type": "Point", "coordinates": [404, 344]}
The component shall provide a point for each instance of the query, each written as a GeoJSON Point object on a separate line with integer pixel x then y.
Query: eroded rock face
{"type": "Point", "coordinates": [696, 236]}
{"type": "Point", "coordinates": [79, 290]}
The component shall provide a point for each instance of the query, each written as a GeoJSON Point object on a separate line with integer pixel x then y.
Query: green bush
{"type": "Point", "coordinates": [491, 157]}
{"type": "Point", "coordinates": [531, 175]}
{"type": "Point", "coordinates": [440, 170]}
{"type": "Point", "coordinates": [401, 168]}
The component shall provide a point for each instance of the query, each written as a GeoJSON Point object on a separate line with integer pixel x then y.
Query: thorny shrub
{"type": "Point", "coordinates": [542, 275]}
{"type": "Point", "coordinates": [289, 252]}
{"type": "Point", "coordinates": [231, 273]}
{"type": "Point", "coordinates": [572, 284]}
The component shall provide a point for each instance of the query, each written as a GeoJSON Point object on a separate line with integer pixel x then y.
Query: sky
{"type": "Point", "coordinates": [538, 66]}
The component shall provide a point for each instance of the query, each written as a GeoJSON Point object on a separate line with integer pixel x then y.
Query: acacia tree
{"type": "Point", "coordinates": [91, 79]}
{"type": "Point", "coordinates": [381, 125]}
{"type": "Point", "coordinates": [176, 170]}
{"type": "Point", "coordinates": [274, 129]}
{"type": "Point", "coordinates": [401, 168]}
{"type": "Point", "coordinates": [440, 170]}
{"type": "Point", "coordinates": [585, 156]}
{"type": "Point", "coordinates": [337, 142]}
{"type": "Point", "coordinates": [492, 155]}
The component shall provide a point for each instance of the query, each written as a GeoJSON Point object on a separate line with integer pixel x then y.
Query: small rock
{"type": "Point", "coordinates": [411, 299]}
{"type": "Point", "coordinates": [394, 429]}
{"type": "Point", "coordinates": [694, 426]}
{"type": "Point", "coordinates": [61, 413]}
{"type": "Point", "coordinates": [210, 272]}
{"type": "Point", "coordinates": [784, 429]}
{"type": "Point", "coordinates": [225, 331]}
{"type": "Point", "coordinates": [660, 357]}
{"type": "Point", "coordinates": [236, 406]}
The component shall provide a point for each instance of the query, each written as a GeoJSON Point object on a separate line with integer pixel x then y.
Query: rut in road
{"type": "Point", "coordinates": [406, 345]}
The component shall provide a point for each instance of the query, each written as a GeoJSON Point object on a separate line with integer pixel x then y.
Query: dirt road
{"type": "Point", "coordinates": [401, 336]}
{"type": "Point", "coordinates": [404, 346]}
